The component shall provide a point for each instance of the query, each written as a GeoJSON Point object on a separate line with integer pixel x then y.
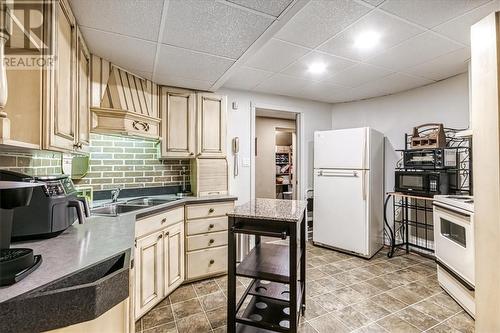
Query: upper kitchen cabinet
{"type": "Point", "coordinates": [211, 123]}
{"type": "Point", "coordinates": [46, 102]}
{"type": "Point", "coordinates": [122, 103]}
{"type": "Point", "coordinates": [83, 93]}
{"type": "Point", "coordinates": [178, 128]}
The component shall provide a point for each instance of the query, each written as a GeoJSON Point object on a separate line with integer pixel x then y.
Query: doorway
{"type": "Point", "coordinates": [276, 149]}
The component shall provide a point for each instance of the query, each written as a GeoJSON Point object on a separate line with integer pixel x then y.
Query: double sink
{"type": "Point", "coordinates": [122, 207]}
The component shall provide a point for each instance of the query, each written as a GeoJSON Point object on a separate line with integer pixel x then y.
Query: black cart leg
{"type": "Point", "coordinates": [231, 278]}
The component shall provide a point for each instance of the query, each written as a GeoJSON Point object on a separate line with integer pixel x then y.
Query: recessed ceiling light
{"type": "Point", "coordinates": [367, 40]}
{"type": "Point", "coordinates": [317, 67]}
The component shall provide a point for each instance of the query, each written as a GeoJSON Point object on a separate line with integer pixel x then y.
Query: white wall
{"type": "Point", "coordinates": [316, 116]}
{"type": "Point", "coordinates": [444, 102]}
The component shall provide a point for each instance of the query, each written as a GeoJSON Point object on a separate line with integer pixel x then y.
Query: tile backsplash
{"type": "Point", "coordinates": [37, 163]}
{"type": "Point", "coordinates": [114, 162]}
{"type": "Point", "coordinates": [129, 163]}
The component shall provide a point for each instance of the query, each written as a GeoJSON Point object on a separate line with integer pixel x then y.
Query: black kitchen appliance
{"type": "Point", "coordinates": [15, 263]}
{"type": "Point", "coordinates": [53, 208]}
{"type": "Point", "coordinates": [423, 183]}
{"type": "Point", "coordinates": [439, 158]}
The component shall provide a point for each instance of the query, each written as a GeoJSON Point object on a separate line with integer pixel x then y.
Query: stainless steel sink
{"type": "Point", "coordinates": [149, 201]}
{"type": "Point", "coordinates": [115, 209]}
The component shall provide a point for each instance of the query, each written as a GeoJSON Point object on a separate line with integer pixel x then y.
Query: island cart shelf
{"type": "Point", "coordinates": [275, 296]}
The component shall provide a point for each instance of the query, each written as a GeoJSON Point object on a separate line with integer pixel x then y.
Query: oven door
{"type": "Point", "coordinates": [454, 240]}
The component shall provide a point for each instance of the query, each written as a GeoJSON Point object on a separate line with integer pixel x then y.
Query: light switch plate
{"type": "Point", "coordinates": [245, 162]}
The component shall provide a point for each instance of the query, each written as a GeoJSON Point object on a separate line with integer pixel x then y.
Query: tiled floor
{"type": "Point", "coordinates": [344, 294]}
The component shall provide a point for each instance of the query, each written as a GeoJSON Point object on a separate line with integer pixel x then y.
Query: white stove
{"type": "Point", "coordinates": [454, 247]}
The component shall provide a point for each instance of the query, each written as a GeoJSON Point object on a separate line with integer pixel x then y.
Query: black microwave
{"type": "Point", "coordinates": [423, 183]}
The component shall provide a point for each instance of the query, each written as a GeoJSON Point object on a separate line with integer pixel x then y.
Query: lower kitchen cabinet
{"type": "Point", "coordinates": [159, 266]}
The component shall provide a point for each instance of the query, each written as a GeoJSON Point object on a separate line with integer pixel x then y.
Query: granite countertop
{"type": "Point", "coordinates": [84, 245]}
{"type": "Point", "coordinates": [272, 209]}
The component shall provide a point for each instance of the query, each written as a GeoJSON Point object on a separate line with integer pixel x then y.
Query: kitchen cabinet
{"type": "Point", "coordinates": [211, 120]}
{"type": "Point", "coordinates": [149, 272]}
{"type": "Point", "coordinates": [193, 124]}
{"type": "Point", "coordinates": [83, 94]}
{"type": "Point", "coordinates": [159, 258]}
{"type": "Point", "coordinates": [62, 118]}
{"type": "Point", "coordinates": [178, 122]}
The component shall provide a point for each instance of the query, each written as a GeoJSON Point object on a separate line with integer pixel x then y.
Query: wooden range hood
{"type": "Point", "coordinates": [123, 103]}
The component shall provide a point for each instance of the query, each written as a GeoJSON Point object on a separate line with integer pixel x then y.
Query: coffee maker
{"type": "Point", "coordinates": [15, 263]}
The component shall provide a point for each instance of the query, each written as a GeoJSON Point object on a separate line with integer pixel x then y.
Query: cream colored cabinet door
{"type": "Point", "coordinates": [174, 256]}
{"type": "Point", "coordinates": [149, 272]}
{"type": "Point", "coordinates": [177, 107]}
{"type": "Point", "coordinates": [83, 94]}
{"type": "Point", "coordinates": [62, 120]}
{"type": "Point", "coordinates": [211, 120]}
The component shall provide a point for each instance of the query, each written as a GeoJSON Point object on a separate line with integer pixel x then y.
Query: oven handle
{"type": "Point", "coordinates": [455, 275]}
{"type": "Point", "coordinates": [451, 210]}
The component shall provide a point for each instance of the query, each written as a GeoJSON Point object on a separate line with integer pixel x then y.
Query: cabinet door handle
{"type": "Point", "coordinates": [212, 261]}
{"type": "Point", "coordinates": [211, 241]}
{"type": "Point", "coordinates": [160, 236]}
{"type": "Point", "coordinates": [143, 124]}
{"type": "Point", "coordinates": [163, 220]}
{"type": "Point", "coordinates": [211, 226]}
{"type": "Point", "coordinates": [191, 154]}
{"type": "Point", "coordinates": [211, 210]}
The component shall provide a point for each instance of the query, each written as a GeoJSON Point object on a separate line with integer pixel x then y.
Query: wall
{"type": "Point", "coordinates": [37, 163]}
{"type": "Point", "coordinates": [129, 163]}
{"type": "Point", "coordinates": [444, 102]}
{"type": "Point", "coordinates": [315, 116]}
{"type": "Point", "coordinates": [265, 170]}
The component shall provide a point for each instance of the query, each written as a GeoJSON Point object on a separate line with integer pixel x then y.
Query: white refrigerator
{"type": "Point", "coordinates": [349, 190]}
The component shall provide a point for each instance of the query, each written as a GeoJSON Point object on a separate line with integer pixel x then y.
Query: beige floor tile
{"type": "Point", "coordinates": [313, 310]}
{"type": "Point", "coordinates": [205, 287]}
{"type": "Point", "coordinates": [394, 324]}
{"type": "Point", "coordinates": [157, 317]}
{"type": "Point", "coordinates": [330, 302]}
{"type": "Point", "coordinates": [346, 265]}
{"type": "Point", "coordinates": [366, 289]}
{"type": "Point", "coordinates": [213, 301]}
{"type": "Point", "coordinates": [317, 261]}
{"type": "Point", "coordinates": [349, 295]}
{"type": "Point", "coordinates": [445, 300]}
{"type": "Point", "coordinates": [183, 293]}
{"type": "Point", "coordinates": [461, 322]}
{"type": "Point", "coordinates": [314, 288]}
{"type": "Point", "coordinates": [138, 325]}
{"type": "Point", "coordinates": [371, 310]}
{"type": "Point", "coordinates": [417, 318]}
{"type": "Point", "coordinates": [383, 283]}
{"type": "Point", "coordinates": [351, 318]}
{"type": "Point", "coordinates": [197, 323]}
{"type": "Point", "coordinates": [436, 311]}
{"type": "Point", "coordinates": [165, 328]}
{"type": "Point", "coordinates": [372, 328]}
{"type": "Point", "coordinates": [406, 296]}
{"type": "Point", "coordinates": [442, 328]}
{"type": "Point", "coordinates": [348, 278]}
{"type": "Point", "coordinates": [217, 317]}
{"type": "Point", "coordinates": [222, 329]}
{"type": "Point", "coordinates": [186, 308]}
{"type": "Point", "coordinates": [329, 269]}
{"type": "Point", "coordinates": [419, 289]}
{"type": "Point", "coordinates": [306, 328]}
{"type": "Point", "coordinates": [388, 302]}
{"type": "Point", "coordinates": [314, 274]}
{"type": "Point", "coordinates": [328, 324]}
{"type": "Point", "coordinates": [330, 283]}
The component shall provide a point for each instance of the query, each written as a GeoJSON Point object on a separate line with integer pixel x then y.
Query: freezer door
{"type": "Point", "coordinates": [340, 209]}
{"type": "Point", "coordinates": [341, 149]}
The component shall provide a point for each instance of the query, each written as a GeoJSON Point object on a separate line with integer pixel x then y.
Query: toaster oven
{"type": "Point", "coordinates": [441, 158]}
{"type": "Point", "coordinates": [422, 183]}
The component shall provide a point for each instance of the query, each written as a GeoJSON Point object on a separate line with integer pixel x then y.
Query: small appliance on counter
{"type": "Point", "coordinates": [425, 183]}
{"type": "Point", "coordinates": [15, 263]}
{"type": "Point", "coordinates": [53, 208]}
{"type": "Point", "coordinates": [454, 247]}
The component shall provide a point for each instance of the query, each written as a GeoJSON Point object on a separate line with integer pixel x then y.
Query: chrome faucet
{"type": "Point", "coordinates": [114, 194]}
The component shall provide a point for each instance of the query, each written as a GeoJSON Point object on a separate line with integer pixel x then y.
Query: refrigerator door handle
{"type": "Point", "coordinates": [364, 185]}
{"type": "Point", "coordinates": [337, 173]}
{"type": "Point", "coordinates": [363, 158]}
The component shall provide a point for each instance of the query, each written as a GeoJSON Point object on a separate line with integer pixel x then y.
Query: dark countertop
{"type": "Point", "coordinates": [272, 209]}
{"type": "Point", "coordinates": [83, 245]}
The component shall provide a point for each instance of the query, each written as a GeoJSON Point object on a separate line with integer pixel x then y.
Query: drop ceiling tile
{"type": "Point", "coordinates": [282, 85]}
{"type": "Point", "coordinates": [324, 92]}
{"type": "Point", "coordinates": [276, 55]}
{"type": "Point", "coordinates": [139, 55]}
{"type": "Point", "coordinates": [271, 7]}
{"type": "Point", "coordinates": [182, 82]}
{"type": "Point", "coordinates": [450, 64]}
{"type": "Point", "coordinates": [398, 82]}
{"type": "Point", "coordinates": [358, 75]}
{"type": "Point", "coordinates": [246, 78]}
{"type": "Point", "coordinates": [390, 29]}
{"type": "Point", "coordinates": [213, 27]}
{"type": "Point", "coordinates": [190, 65]}
{"type": "Point", "coordinates": [136, 18]}
{"type": "Point", "coordinates": [333, 65]}
{"type": "Point", "coordinates": [374, 2]}
{"type": "Point", "coordinates": [320, 20]}
{"type": "Point", "coordinates": [414, 51]}
{"type": "Point", "coordinates": [430, 13]}
{"type": "Point", "coordinates": [144, 75]}
{"type": "Point", "coordinates": [459, 28]}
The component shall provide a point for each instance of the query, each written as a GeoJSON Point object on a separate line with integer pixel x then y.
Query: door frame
{"type": "Point", "coordinates": [300, 157]}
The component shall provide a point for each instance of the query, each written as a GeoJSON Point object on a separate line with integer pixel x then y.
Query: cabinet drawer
{"type": "Point", "coordinates": [195, 227]}
{"type": "Point", "coordinates": [208, 210]}
{"type": "Point", "coordinates": [209, 240]}
{"type": "Point", "coordinates": [158, 221]}
{"type": "Point", "coordinates": [206, 262]}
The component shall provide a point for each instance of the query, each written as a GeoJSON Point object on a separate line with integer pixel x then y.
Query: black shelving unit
{"type": "Point", "coordinates": [275, 297]}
